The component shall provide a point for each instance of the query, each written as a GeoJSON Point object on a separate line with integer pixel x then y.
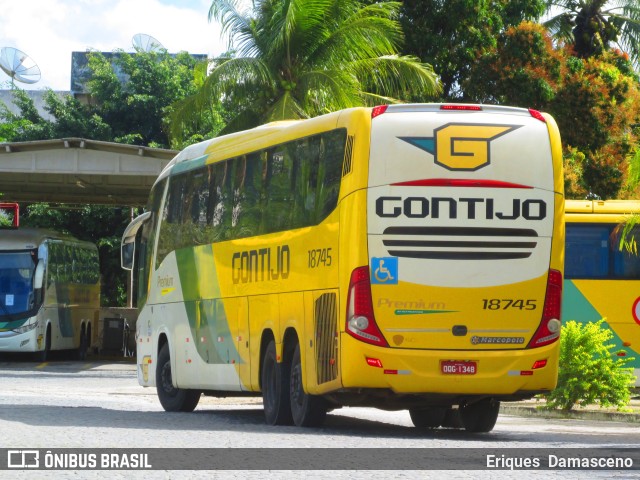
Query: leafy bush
{"type": "Point", "coordinates": [590, 372]}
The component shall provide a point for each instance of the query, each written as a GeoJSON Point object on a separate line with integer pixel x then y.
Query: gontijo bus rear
{"type": "Point", "coordinates": [430, 279]}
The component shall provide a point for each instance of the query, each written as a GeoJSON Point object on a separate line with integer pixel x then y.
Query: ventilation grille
{"type": "Point", "coordinates": [326, 338]}
{"type": "Point", "coordinates": [460, 243]}
{"type": "Point", "coordinates": [348, 154]}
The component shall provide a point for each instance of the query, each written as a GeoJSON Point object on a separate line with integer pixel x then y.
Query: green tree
{"type": "Point", "coordinates": [300, 58]}
{"type": "Point", "coordinates": [590, 372]}
{"type": "Point", "coordinates": [133, 112]}
{"type": "Point", "coordinates": [451, 34]}
{"type": "Point", "coordinates": [596, 102]}
{"type": "Point", "coordinates": [70, 119]}
{"type": "Point", "coordinates": [595, 26]}
{"type": "Point", "coordinates": [137, 110]}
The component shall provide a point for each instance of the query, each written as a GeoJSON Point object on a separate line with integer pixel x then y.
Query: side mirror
{"type": "Point", "coordinates": [128, 245]}
{"type": "Point", "coordinates": [38, 277]}
{"type": "Point", "coordinates": [127, 251]}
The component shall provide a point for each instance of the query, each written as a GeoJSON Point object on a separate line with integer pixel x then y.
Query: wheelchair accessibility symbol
{"type": "Point", "coordinates": [384, 270]}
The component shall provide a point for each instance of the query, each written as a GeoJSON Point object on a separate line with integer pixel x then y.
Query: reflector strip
{"type": "Point", "coordinates": [460, 182]}
{"type": "Point", "coordinates": [374, 362]}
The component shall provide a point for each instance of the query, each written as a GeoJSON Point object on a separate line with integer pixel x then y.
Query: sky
{"type": "Point", "coordinates": [49, 30]}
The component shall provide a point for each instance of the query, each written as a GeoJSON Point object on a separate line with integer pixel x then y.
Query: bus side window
{"type": "Point", "coordinates": [587, 251]}
{"type": "Point", "coordinates": [170, 234]}
{"type": "Point", "coordinates": [331, 159]}
{"type": "Point", "coordinates": [249, 207]}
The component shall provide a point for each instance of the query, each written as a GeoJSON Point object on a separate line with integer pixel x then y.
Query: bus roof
{"type": "Point", "coordinates": [26, 238]}
{"type": "Point", "coordinates": [600, 211]}
{"type": "Point", "coordinates": [621, 207]}
{"type": "Point", "coordinates": [247, 141]}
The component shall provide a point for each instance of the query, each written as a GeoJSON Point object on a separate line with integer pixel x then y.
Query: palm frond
{"type": "Point", "coordinates": [369, 32]}
{"type": "Point", "coordinates": [236, 71]}
{"type": "Point", "coordinates": [627, 24]}
{"type": "Point", "coordinates": [399, 75]}
{"type": "Point", "coordinates": [236, 24]}
{"type": "Point", "coordinates": [328, 90]}
{"type": "Point", "coordinates": [561, 27]}
{"type": "Point", "coordinates": [625, 231]}
{"type": "Point", "coordinates": [285, 108]}
{"type": "Point", "coordinates": [233, 75]}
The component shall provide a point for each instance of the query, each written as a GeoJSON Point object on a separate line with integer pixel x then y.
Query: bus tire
{"type": "Point", "coordinates": [275, 388]}
{"type": "Point", "coordinates": [430, 417]}
{"type": "Point", "coordinates": [82, 348]}
{"type": "Point", "coordinates": [307, 410]}
{"type": "Point", "coordinates": [480, 417]}
{"type": "Point", "coordinates": [43, 354]}
{"type": "Point", "coordinates": [171, 398]}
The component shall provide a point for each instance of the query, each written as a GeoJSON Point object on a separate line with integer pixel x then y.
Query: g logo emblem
{"type": "Point", "coordinates": [461, 146]}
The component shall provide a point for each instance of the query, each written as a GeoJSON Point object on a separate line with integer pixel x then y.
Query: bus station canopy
{"type": "Point", "coordinates": [79, 171]}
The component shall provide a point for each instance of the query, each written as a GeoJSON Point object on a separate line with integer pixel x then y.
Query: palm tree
{"type": "Point", "coordinates": [592, 26]}
{"type": "Point", "coordinates": [300, 58]}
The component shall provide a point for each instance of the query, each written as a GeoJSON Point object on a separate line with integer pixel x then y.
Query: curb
{"type": "Point", "coordinates": [603, 416]}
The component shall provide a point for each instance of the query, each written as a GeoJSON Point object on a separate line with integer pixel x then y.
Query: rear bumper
{"type": "Point", "coordinates": [406, 371]}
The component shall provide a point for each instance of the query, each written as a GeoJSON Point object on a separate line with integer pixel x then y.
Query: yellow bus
{"type": "Point", "coordinates": [49, 292]}
{"type": "Point", "coordinates": [400, 257]}
{"type": "Point", "coordinates": [602, 281]}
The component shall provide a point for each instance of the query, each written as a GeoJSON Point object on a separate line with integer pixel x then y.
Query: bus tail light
{"type": "Point", "coordinates": [378, 110]}
{"type": "Point", "coordinates": [461, 107]}
{"type": "Point", "coordinates": [549, 329]}
{"type": "Point", "coordinates": [361, 323]}
{"type": "Point", "coordinates": [537, 115]}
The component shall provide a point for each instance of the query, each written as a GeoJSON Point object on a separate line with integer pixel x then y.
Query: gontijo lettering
{"type": "Point", "coordinates": [261, 265]}
{"type": "Point", "coordinates": [469, 208]}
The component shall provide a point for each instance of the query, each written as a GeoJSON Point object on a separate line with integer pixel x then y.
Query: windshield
{"type": "Point", "coordinates": [16, 282]}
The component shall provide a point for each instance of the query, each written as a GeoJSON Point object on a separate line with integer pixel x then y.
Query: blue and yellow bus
{"type": "Point", "coordinates": [400, 257]}
{"type": "Point", "coordinates": [601, 280]}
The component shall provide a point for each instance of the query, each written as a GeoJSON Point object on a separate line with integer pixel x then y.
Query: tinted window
{"type": "Point", "coordinates": [592, 252]}
{"type": "Point", "coordinates": [288, 186]}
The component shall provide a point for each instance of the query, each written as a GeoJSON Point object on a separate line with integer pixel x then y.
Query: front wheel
{"type": "Point", "coordinates": [480, 417]}
{"type": "Point", "coordinates": [171, 398]}
{"type": "Point", "coordinates": [307, 410]}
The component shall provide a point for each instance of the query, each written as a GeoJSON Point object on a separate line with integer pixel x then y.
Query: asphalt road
{"type": "Point", "coordinates": [98, 405]}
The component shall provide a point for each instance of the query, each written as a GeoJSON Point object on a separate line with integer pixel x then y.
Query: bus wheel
{"type": "Point", "coordinates": [171, 398]}
{"type": "Point", "coordinates": [43, 354]}
{"type": "Point", "coordinates": [480, 417]}
{"type": "Point", "coordinates": [431, 417]}
{"type": "Point", "coordinates": [82, 348]}
{"type": "Point", "coordinates": [275, 388]}
{"type": "Point", "coordinates": [307, 410]}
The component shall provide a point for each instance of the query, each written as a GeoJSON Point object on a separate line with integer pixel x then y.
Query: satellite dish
{"type": "Point", "coordinates": [18, 65]}
{"type": "Point", "coordinates": [146, 43]}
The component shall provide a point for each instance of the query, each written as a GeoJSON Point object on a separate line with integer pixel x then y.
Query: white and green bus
{"type": "Point", "coordinates": [49, 292]}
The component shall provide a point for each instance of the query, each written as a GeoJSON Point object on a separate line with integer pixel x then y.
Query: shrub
{"type": "Point", "coordinates": [590, 372]}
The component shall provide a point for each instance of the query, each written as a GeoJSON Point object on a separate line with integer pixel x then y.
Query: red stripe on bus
{"type": "Point", "coordinates": [456, 182]}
